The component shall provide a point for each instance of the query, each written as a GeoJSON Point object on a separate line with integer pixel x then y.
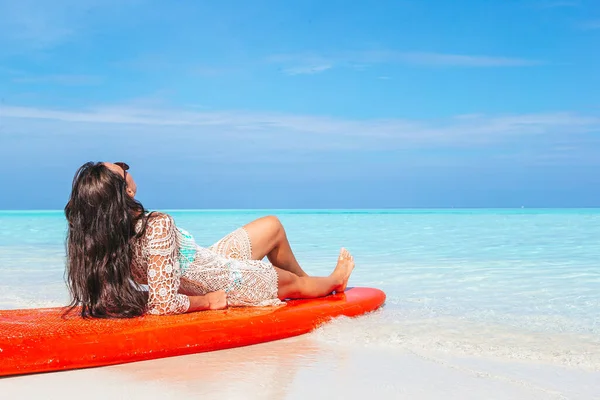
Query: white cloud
{"type": "Point", "coordinates": [301, 63]}
{"type": "Point", "coordinates": [313, 63]}
{"type": "Point", "coordinates": [307, 70]}
{"type": "Point", "coordinates": [274, 130]}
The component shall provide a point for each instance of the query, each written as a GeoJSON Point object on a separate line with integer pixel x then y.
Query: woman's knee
{"type": "Point", "coordinates": [272, 219]}
{"type": "Point", "coordinates": [274, 224]}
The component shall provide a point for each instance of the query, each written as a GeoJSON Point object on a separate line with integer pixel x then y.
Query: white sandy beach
{"type": "Point", "coordinates": [300, 368]}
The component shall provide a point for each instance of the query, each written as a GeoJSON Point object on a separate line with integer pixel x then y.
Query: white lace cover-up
{"type": "Point", "coordinates": [168, 260]}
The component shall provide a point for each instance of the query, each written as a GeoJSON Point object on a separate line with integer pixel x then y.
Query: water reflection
{"type": "Point", "coordinates": [263, 371]}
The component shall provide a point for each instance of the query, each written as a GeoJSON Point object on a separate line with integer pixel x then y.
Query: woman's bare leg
{"type": "Point", "coordinates": [292, 286]}
{"type": "Point", "coordinates": [269, 239]}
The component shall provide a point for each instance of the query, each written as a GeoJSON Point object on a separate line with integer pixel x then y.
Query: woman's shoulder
{"type": "Point", "coordinates": [159, 222]}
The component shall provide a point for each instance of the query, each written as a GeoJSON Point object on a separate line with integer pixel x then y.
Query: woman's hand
{"type": "Point", "coordinates": [210, 301]}
{"type": "Point", "coordinates": [217, 300]}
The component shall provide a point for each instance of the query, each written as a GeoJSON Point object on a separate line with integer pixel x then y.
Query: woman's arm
{"type": "Point", "coordinates": [163, 275]}
{"type": "Point", "coordinates": [210, 301]}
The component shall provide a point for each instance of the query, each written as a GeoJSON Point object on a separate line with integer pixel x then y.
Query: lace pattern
{"type": "Point", "coordinates": [158, 252]}
{"type": "Point", "coordinates": [235, 245]}
{"type": "Point", "coordinates": [181, 268]}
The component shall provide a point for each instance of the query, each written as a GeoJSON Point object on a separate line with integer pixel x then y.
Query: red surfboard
{"type": "Point", "coordinates": [40, 340]}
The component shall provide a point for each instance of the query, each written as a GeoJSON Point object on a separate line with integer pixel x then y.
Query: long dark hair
{"type": "Point", "coordinates": [101, 220]}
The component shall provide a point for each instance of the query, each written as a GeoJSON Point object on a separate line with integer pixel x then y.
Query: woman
{"type": "Point", "coordinates": [114, 246]}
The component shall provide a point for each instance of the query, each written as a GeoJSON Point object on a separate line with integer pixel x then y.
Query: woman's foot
{"type": "Point", "coordinates": [343, 269]}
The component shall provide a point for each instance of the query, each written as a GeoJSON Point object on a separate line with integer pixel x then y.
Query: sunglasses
{"type": "Point", "coordinates": [124, 167]}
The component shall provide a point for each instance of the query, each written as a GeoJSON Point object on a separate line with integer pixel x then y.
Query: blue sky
{"type": "Point", "coordinates": [308, 104]}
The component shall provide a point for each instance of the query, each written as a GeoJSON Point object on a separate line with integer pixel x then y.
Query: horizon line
{"type": "Point", "coordinates": [16, 210]}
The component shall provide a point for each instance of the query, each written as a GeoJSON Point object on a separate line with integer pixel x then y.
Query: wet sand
{"type": "Point", "coordinates": [300, 368]}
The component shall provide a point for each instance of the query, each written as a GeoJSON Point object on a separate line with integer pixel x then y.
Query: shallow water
{"type": "Point", "coordinates": [506, 284]}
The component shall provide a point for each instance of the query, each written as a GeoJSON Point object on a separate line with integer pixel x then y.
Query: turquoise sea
{"type": "Point", "coordinates": [510, 284]}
